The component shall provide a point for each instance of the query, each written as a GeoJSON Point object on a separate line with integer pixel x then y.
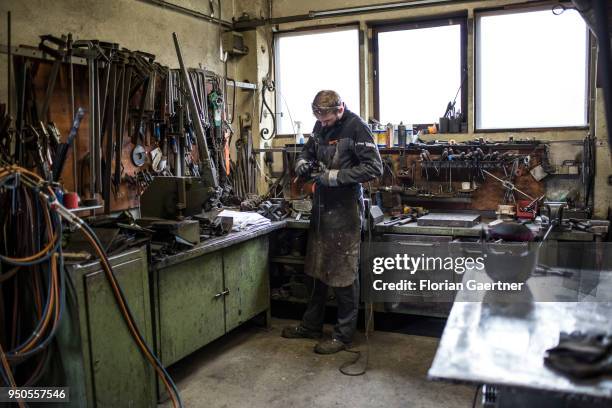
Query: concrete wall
{"type": "Point", "coordinates": [131, 23]}
{"type": "Point", "coordinates": [284, 8]}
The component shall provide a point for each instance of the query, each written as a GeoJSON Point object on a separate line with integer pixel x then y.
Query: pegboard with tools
{"type": "Point", "coordinates": [102, 120]}
{"type": "Point", "coordinates": [476, 175]}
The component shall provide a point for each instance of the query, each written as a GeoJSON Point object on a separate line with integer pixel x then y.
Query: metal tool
{"type": "Point", "coordinates": [508, 185]}
{"type": "Point", "coordinates": [60, 155]}
{"type": "Point", "coordinates": [59, 54]}
{"type": "Point", "coordinates": [139, 155]}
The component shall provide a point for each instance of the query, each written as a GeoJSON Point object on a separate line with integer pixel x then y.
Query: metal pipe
{"type": "Point", "coordinates": [188, 11]}
{"type": "Point", "coordinates": [371, 8]}
{"type": "Point", "coordinates": [313, 14]}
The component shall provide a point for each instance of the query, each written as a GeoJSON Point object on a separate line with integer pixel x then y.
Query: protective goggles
{"type": "Point", "coordinates": [324, 110]}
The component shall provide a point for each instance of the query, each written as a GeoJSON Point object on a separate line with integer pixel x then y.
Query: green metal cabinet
{"type": "Point", "coordinates": [102, 364]}
{"type": "Point", "coordinates": [199, 298]}
{"type": "Point", "coordinates": [245, 268]}
{"type": "Point", "coordinates": [190, 312]}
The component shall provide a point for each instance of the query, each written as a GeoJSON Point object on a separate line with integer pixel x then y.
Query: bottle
{"type": "Point", "coordinates": [389, 135]}
{"type": "Point", "coordinates": [401, 134]}
{"type": "Point", "coordinates": [299, 136]}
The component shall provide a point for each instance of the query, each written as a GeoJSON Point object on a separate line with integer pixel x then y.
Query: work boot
{"type": "Point", "coordinates": [300, 332]}
{"type": "Point", "coordinates": [330, 346]}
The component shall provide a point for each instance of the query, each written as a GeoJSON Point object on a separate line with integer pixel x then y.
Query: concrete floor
{"type": "Point", "coordinates": [253, 367]}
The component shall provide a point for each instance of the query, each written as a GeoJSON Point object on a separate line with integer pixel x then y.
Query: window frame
{"type": "Point", "coordinates": [307, 30]}
{"type": "Point", "coordinates": [476, 63]}
{"type": "Point", "coordinates": [429, 22]}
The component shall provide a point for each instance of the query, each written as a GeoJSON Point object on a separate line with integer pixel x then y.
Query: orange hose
{"type": "Point", "coordinates": [129, 321]}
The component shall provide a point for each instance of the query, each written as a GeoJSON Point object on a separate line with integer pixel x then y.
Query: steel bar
{"type": "Point", "coordinates": [92, 127]}
{"type": "Point", "coordinates": [508, 185]}
{"type": "Point", "coordinates": [74, 145]}
{"type": "Point", "coordinates": [108, 158]}
{"type": "Point", "coordinates": [208, 164]}
{"type": "Point", "coordinates": [98, 144]}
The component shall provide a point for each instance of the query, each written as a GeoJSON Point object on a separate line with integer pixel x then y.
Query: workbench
{"type": "Point", "coordinates": [204, 292]}
{"type": "Point", "coordinates": [180, 304]}
{"type": "Point", "coordinates": [421, 239]}
{"type": "Point", "coordinates": [474, 232]}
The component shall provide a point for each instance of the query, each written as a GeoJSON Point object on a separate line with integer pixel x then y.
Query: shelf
{"type": "Point", "coordinates": [439, 147]}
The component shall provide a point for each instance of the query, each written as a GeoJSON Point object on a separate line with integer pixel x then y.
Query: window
{"type": "Point", "coordinates": [531, 70]}
{"type": "Point", "coordinates": [419, 70]}
{"type": "Point", "coordinates": [308, 62]}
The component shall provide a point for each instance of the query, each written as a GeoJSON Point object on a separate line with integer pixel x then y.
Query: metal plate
{"type": "Point", "coordinates": [505, 345]}
{"type": "Point", "coordinates": [448, 220]}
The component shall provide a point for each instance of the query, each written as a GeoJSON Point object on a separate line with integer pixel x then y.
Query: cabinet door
{"type": "Point", "coordinates": [121, 375]}
{"type": "Point", "coordinates": [189, 307]}
{"type": "Point", "coordinates": [246, 277]}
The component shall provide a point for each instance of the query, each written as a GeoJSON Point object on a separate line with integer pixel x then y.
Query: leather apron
{"type": "Point", "coordinates": [335, 235]}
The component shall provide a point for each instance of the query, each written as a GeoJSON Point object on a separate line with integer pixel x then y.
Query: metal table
{"type": "Point", "coordinates": [505, 344]}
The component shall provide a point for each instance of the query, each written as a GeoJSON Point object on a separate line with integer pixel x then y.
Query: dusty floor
{"type": "Point", "coordinates": [253, 367]}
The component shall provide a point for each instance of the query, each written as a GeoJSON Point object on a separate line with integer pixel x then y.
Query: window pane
{"type": "Point", "coordinates": [532, 70]}
{"type": "Point", "coordinates": [419, 73]}
{"type": "Point", "coordinates": [310, 62]}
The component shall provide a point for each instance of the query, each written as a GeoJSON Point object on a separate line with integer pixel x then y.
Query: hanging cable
{"type": "Point", "coordinates": [13, 180]}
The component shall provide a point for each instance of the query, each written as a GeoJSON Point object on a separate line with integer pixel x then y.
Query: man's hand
{"type": "Point", "coordinates": [329, 178]}
{"type": "Point", "coordinates": [303, 169]}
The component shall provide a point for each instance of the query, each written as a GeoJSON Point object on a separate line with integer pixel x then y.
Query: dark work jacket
{"type": "Point", "coordinates": [348, 150]}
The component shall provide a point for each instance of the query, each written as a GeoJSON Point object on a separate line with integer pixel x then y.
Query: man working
{"type": "Point", "coordinates": [339, 155]}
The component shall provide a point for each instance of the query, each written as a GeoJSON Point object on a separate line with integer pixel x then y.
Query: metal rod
{"type": "Point", "coordinates": [74, 146]}
{"type": "Point", "coordinates": [98, 147]}
{"type": "Point", "coordinates": [508, 185]}
{"type": "Point", "coordinates": [92, 128]}
{"type": "Point", "coordinates": [347, 11]}
{"type": "Point", "coordinates": [187, 11]}
{"type": "Point", "coordinates": [208, 164]}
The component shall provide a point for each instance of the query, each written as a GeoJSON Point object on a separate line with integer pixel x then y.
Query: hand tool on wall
{"type": "Point", "coordinates": [110, 128]}
{"type": "Point", "coordinates": [91, 54]}
{"type": "Point", "coordinates": [62, 151]}
{"type": "Point", "coordinates": [59, 55]}
{"type": "Point", "coordinates": [124, 99]}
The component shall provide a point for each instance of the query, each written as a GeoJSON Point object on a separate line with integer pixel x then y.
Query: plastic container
{"type": "Point", "coordinates": [299, 136]}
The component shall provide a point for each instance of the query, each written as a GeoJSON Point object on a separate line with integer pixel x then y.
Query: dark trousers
{"type": "Point", "coordinates": [348, 306]}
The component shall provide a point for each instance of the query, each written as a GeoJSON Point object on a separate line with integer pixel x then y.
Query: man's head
{"type": "Point", "coordinates": [327, 107]}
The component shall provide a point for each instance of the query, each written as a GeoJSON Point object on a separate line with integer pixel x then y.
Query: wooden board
{"type": "Point", "coordinates": [488, 195]}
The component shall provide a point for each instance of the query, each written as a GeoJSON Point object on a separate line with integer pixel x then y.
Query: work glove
{"type": "Point", "coordinates": [303, 169]}
{"type": "Point", "coordinates": [328, 178]}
